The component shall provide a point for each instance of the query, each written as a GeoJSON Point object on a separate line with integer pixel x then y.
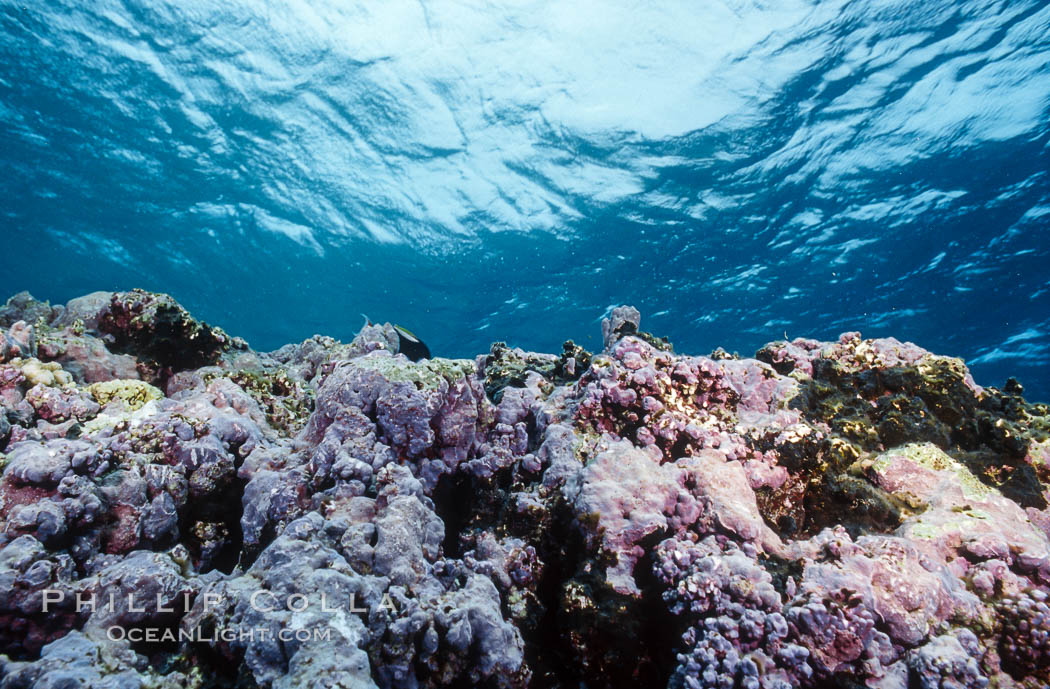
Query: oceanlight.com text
{"type": "Point", "coordinates": [243, 635]}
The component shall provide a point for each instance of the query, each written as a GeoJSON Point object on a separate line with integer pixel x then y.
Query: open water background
{"type": "Point", "coordinates": [485, 170]}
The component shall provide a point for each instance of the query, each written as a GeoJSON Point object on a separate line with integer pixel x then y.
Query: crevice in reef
{"type": "Point", "coordinates": [585, 633]}
{"type": "Point", "coordinates": [214, 525]}
{"type": "Point", "coordinates": [661, 629]}
{"type": "Point", "coordinates": [781, 570]}
{"type": "Point", "coordinates": [219, 670]}
{"type": "Point", "coordinates": [561, 550]}
{"type": "Point", "coordinates": [453, 502]}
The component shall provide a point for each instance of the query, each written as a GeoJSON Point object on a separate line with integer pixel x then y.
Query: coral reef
{"type": "Point", "coordinates": [178, 510]}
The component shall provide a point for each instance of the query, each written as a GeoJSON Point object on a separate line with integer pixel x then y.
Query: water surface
{"type": "Point", "coordinates": [485, 171]}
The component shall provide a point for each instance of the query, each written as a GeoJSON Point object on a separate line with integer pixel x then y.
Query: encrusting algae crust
{"type": "Point", "coordinates": [931, 457]}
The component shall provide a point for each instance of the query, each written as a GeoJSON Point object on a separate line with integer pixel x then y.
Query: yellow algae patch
{"type": "Point", "coordinates": [134, 393]}
{"type": "Point", "coordinates": [40, 373]}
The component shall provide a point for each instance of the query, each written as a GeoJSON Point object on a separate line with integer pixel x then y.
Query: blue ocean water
{"type": "Point", "coordinates": [484, 170]}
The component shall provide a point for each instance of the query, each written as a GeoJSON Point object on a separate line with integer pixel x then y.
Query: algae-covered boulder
{"type": "Point", "coordinates": [23, 307]}
{"type": "Point", "coordinates": [160, 333]}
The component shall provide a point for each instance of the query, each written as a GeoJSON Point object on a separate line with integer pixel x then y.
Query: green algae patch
{"type": "Point", "coordinates": [427, 374]}
{"type": "Point", "coordinates": [134, 393]}
{"type": "Point", "coordinates": [925, 531]}
{"type": "Point", "coordinates": [961, 522]}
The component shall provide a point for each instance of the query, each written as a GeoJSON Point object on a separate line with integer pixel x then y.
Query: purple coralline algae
{"type": "Point", "coordinates": [179, 510]}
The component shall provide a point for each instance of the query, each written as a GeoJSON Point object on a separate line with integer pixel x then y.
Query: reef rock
{"type": "Point", "coordinates": [178, 510]}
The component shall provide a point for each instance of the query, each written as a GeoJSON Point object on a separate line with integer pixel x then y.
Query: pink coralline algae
{"type": "Point", "coordinates": [738, 634]}
{"type": "Point", "coordinates": [857, 513]}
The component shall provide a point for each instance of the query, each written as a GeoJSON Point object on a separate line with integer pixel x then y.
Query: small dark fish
{"type": "Point", "coordinates": [410, 345]}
